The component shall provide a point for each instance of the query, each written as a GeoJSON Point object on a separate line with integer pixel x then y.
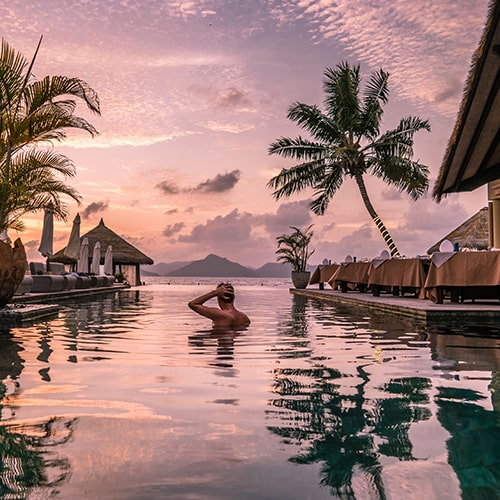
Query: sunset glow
{"type": "Point", "coordinates": [193, 92]}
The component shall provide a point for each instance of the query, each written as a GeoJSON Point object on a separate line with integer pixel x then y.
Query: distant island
{"type": "Point", "coordinates": [215, 266]}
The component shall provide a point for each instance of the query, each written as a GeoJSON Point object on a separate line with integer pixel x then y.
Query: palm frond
{"type": "Point", "coordinates": [375, 96]}
{"type": "Point", "coordinates": [326, 189]}
{"type": "Point", "coordinates": [296, 178]}
{"type": "Point", "coordinates": [35, 162]}
{"type": "Point", "coordinates": [404, 174]}
{"type": "Point", "coordinates": [320, 126]}
{"type": "Point", "coordinates": [377, 87]}
{"type": "Point", "coordinates": [51, 88]}
{"type": "Point", "coordinates": [298, 148]}
{"type": "Point", "coordinates": [341, 85]}
{"type": "Point", "coordinates": [12, 66]}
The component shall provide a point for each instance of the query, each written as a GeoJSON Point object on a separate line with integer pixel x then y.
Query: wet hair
{"type": "Point", "coordinates": [229, 296]}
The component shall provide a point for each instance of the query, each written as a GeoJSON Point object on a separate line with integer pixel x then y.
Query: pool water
{"type": "Point", "coordinates": [134, 397]}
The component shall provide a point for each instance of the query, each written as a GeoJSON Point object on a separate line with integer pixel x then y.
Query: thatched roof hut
{"type": "Point", "coordinates": [124, 254]}
{"type": "Point", "coordinates": [473, 152]}
{"type": "Point", "coordinates": [473, 233]}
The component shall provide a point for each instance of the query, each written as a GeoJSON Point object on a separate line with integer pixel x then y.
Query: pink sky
{"type": "Point", "coordinates": [193, 92]}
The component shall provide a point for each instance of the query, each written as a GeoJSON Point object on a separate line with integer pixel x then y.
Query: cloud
{"type": "Point", "coordinates": [233, 98]}
{"type": "Point", "coordinates": [31, 245]}
{"type": "Point", "coordinates": [391, 194]}
{"type": "Point", "coordinates": [232, 228]}
{"type": "Point", "coordinates": [220, 183]}
{"type": "Point", "coordinates": [233, 236]}
{"type": "Point", "coordinates": [426, 49]}
{"type": "Point", "coordinates": [295, 213]}
{"type": "Point", "coordinates": [173, 229]}
{"type": "Point", "coordinates": [433, 219]}
{"type": "Point", "coordinates": [167, 187]}
{"type": "Point", "coordinates": [94, 208]}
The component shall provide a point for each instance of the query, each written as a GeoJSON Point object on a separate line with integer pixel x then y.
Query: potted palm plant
{"type": "Point", "coordinates": [294, 249]}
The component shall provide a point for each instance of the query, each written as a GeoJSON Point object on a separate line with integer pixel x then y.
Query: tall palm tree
{"type": "Point", "coordinates": [36, 113]}
{"type": "Point", "coordinates": [346, 142]}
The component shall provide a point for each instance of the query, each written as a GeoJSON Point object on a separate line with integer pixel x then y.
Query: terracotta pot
{"type": "Point", "coordinates": [300, 279]}
{"type": "Point", "coordinates": [12, 268]}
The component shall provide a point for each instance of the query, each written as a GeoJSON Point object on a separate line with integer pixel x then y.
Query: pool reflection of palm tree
{"type": "Point", "coordinates": [27, 464]}
{"type": "Point", "coordinates": [340, 429]}
{"type": "Point", "coordinates": [343, 430]}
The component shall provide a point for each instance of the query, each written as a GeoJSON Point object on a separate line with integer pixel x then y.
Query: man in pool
{"type": "Point", "coordinates": [226, 315]}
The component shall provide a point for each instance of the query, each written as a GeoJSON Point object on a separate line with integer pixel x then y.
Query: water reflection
{"type": "Point", "coordinates": [473, 448]}
{"type": "Point", "coordinates": [219, 344]}
{"type": "Point", "coordinates": [351, 423]}
{"type": "Point", "coordinates": [28, 465]}
{"type": "Point", "coordinates": [344, 432]}
{"type": "Point", "coordinates": [11, 366]}
{"type": "Point", "coordinates": [366, 405]}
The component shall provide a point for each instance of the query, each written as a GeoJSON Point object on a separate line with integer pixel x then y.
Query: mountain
{"type": "Point", "coordinates": [215, 266]}
{"type": "Point", "coordinates": [163, 268]}
{"type": "Point", "coordinates": [274, 270]}
{"type": "Point", "coordinates": [144, 272]}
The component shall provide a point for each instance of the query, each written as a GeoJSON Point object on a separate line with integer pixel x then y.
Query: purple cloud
{"type": "Point", "coordinates": [173, 229]}
{"type": "Point", "coordinates": [94, 208]}
{"type": "Point", "coordinates": [220, 183]}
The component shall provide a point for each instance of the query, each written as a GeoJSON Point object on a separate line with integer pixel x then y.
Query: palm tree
{"type": "Point", "coordinates": [294, 248]}
{"type": "Point", "coordinates": [36, 113]}
{"type": "Point", "coordinates": [347, 143]}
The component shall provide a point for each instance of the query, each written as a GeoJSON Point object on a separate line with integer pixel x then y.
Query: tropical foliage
{"type": "Point", "coordinates": [33, 115]}
{"type": "Point", "coordinates": [347, 143]}
{"type": "Point", "coordinates": [294, 248]}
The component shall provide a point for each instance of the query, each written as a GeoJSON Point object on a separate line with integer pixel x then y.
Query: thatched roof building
{"type": "Point", "coordinates": [124, 254]}
{"type": "Point", "coordinates": [473, 233]}
{"type": "Point", "coordinates": [472, 157]}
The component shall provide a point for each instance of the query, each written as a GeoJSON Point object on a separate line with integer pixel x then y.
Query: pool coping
{"type": "Point", "coordinates": [51, 297]}
{"type": "Point", "coordinates": [422, 309]}
{"type": "Point", "coordinates": [30, 308]}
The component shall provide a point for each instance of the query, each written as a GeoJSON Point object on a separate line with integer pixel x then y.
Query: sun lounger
{"type": "Point", "coordinates": [82, 281]}
{"type": "Point", "coordinates": [44, 282]}
{"type": "Point", "coordinates": [69, 279]}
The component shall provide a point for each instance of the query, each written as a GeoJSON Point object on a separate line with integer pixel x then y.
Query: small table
{"type": "Point", "coordinates": [322, 274]}
{"type": "Point", "coordinates": [399, 275]}
{"type": "Point", "coordinates": [352, 275]}
{"type": "Point", "coordinates": [467, 275]}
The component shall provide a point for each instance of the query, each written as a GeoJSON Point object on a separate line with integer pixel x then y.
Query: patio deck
{"type": "Point", "coordinates": [425, 309]}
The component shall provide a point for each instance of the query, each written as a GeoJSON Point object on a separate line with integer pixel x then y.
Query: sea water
{"type": "Point", "coordinates": [132, 396]}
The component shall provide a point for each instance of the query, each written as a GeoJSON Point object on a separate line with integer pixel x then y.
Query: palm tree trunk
{"type": "Point", "coordinates": [373, 214]}
{"type": "Point", "coordinates": [4, 194]}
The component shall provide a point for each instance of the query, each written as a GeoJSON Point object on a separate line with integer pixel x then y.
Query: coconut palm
{"type": "Point", "coordinates": [33, 114]}
{"type": "Point", "coordinates": [346, 142]}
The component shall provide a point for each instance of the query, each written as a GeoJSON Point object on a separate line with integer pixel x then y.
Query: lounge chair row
{"type": "Point", "coordinates": [58, 280]}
